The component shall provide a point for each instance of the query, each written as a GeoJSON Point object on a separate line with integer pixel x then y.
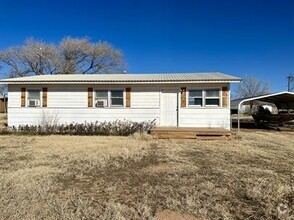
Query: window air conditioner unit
{"type": "Point", "coordinates": [34, 102]}
{"type": "Point", "coordinates": [101, 103]}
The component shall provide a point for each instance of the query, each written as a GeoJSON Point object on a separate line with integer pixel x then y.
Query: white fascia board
{"type": "Point", "coordinates": [113, 83]}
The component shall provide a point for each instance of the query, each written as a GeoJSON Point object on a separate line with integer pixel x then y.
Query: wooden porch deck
{"type": "Point", "coordinates": [191, 133]}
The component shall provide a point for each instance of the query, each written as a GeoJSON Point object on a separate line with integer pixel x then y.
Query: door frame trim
{"type": "Point", "coordinates": [177, 90]}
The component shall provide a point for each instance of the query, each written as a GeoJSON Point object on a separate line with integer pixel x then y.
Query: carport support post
{"type": "Point", "coordinates": [239, 106]}
{"type": "Point", "coordinates": [238, 121]}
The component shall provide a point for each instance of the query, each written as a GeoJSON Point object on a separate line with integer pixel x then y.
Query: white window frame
{"type": "Point", "coordinates": [123, 97]}
{"type": "Point", "coordinates": [203, 89]}
{"type": "Point", "coordinates": [27, 97]}
{"type": "Point", "coordinates": [213, 97]}
{"type": "Point", "coordinates": [96, 98]}
{"type": "Point", "coordinates": [195, 97]}
{"type": "Point", "coordinates": [109, 105]}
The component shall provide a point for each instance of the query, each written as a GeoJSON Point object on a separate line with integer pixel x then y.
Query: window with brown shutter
{"type": "Point", "coordinates": [90, 97]}
{"type": "Point", "coordinates": [128, 97]}
{"type": "Point", "coordinates": [44, 97]}
{"type": "Point", "coordinates": [23, 97]}
{"type": "Point", "coordinates": [183, 97]}
{"type": "Point", "coordinates": [225, 97]}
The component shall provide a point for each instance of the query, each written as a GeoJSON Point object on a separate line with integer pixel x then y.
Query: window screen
{"type": "Point", "coordinates": [212, 97]}
{"type": "Point", "coordinates": [101, 94]}
{"type": "Point", "coordinates": [34, 98]}
{"type": "Point", "coordinates": [117, 97]}
{"type": "Point", "coordinates": [34, 94]}
{"type": "Point", "coordinates": [195, 98]}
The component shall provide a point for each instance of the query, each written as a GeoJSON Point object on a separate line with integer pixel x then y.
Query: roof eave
{"type": "Point", "coordinates": [116, 82]}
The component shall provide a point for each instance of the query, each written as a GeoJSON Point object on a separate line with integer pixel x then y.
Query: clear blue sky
{"type": "Point", "coordinates": [249, 37]}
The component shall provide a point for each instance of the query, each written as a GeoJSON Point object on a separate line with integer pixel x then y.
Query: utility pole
{"type": "Point", "coordinates": [290, 80]}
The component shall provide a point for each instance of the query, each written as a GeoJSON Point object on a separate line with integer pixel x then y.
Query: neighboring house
{"type": "Point", "coordinates": [183, 100]}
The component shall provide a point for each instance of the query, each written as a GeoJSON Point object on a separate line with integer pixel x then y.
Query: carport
{"type": "Point", "coordinates": [282, 100]}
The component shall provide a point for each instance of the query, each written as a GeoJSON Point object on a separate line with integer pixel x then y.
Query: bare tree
{"type": "Point", "coordinates": [71, 56]}
{"type": "Point", "coordinates": [32, 58]}
{"type": "Point", "coordinates": [251, 86]}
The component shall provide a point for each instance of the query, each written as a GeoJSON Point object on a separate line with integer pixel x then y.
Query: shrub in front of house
{"type": "Point", "coordinates": [118, 127]}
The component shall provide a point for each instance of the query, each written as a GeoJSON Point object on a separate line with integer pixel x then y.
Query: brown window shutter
{"type": "Point", "coordinates": [128, 97]}
{"type": "Point", "coordinates": [23, 97]}
{"type": "Point", "coordinates": [44, 97]}
{"type": "Point", "coordinates": [225, 97]}
{"type": "Point", "coordinates": [90, 97]}
{"type": "Point", "coordinates": [183, 97]}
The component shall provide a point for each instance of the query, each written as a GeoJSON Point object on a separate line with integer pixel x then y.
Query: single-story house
{"type": "Point", "coordinates": [176, 100]}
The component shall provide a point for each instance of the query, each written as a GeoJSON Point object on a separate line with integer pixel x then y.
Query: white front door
{"type": "Point", "coordinates": [169, 107]}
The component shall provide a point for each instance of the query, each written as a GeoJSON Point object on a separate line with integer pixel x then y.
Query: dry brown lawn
{"type": "Point", "coordinates": [70, 177]}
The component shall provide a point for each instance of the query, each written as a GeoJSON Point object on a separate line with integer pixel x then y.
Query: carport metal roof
{"type": "Point", "coordinates": [283, 100]}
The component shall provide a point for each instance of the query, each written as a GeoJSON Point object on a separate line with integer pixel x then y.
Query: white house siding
{"type": "Point", "coordinates": [79, 115]}
{"type": "Point", "coordinates": [145, 97]}
{"type": "Point", "coordinates": [59, 97]}
{"type": "Point", "coordinates": [14, 96]}
{"type": "Point", "coordinates": [205, 117]}
{"type": "Point", "coordinates": [68, 103]}
{"type": "Point", "coordinates": [209, 117]}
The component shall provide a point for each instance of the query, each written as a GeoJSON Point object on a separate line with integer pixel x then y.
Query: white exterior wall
{"type": "Point", "coordinates": [208, 117]}
{"type": "Point", "coordinates": [205, 117]}
{"type": "Point", "coordinates": [145, 97]}
{"type": "Point", "coordinates": [68, 103]}
{"type": "Point", "coordinates": [79, 115]}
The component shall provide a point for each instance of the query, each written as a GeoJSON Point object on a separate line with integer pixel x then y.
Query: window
{"type": "Point", "coordinates": [106, 98]}
{"type": "Point", "coordinates": [212, 97]}
{"type": "Point", "coordinates": [207, 97]}
{"type": "Point", "coordinates": [195, 98]}
{"type": "Point", "coordinates": [101, 98]}
{"type": "Point", "coordinates": [34, 98]}
{"type": "Point", "coordinates": [117, 98]}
